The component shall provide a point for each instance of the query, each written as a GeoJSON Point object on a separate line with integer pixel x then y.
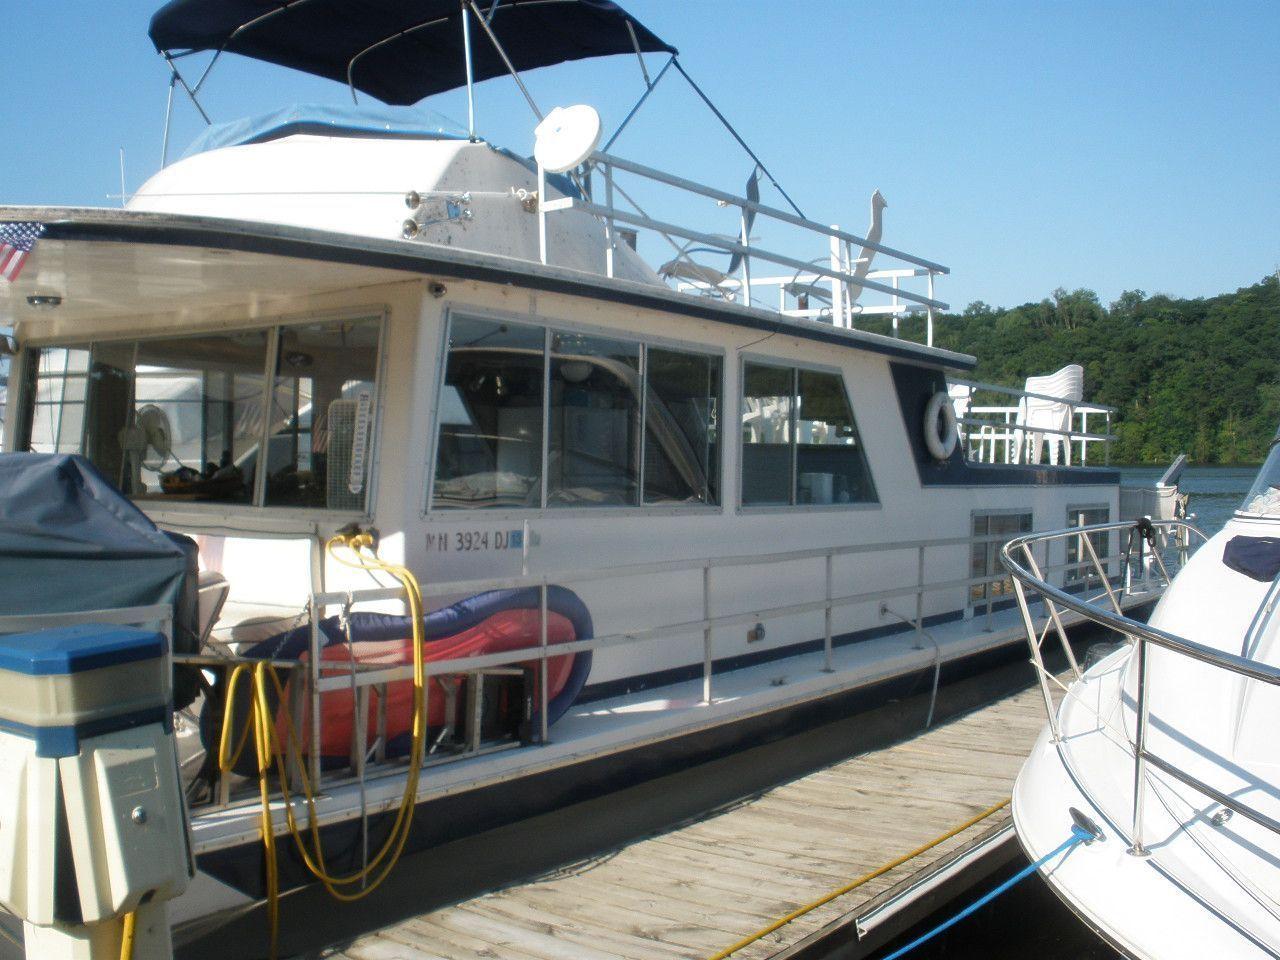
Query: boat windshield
{"type": "Point", "coordinates": [1263, 498]}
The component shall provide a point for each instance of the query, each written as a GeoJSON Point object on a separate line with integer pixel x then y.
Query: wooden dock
{"type": "Point", "coordinates": [692, 891]}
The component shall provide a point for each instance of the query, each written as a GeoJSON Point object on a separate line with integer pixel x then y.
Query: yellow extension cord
{"type": "Point", "coordinates": [854, 884]}
{"type": "Point", "coordinates": [268, 749]}
{"type": "Point", "coordinates": [126, 936]}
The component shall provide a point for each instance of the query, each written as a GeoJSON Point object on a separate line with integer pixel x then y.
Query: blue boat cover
{"type": "Point", "coordinates": [70, 541]}
{"type": "Point", "coordinates": [1258, 558]}
{"type": "Point", "coordinates": [328, 121]}
{"type": "Point", "coordinates": [401, 50]}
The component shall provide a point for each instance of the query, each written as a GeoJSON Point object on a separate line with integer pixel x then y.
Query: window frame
{"type": "Point", "coordinates": [765, 360]}
{"type": "Point", "coordinates": [1073, 513]}
{"type": "Point", "coordinates": [257, 508]}
{"type": "Point", "coordinates": [550, 326]}
{"type": "Point", "coordinates": [989, 599]}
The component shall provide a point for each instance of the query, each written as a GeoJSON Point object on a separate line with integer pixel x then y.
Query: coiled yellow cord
{"type": "Point", "coordinates": [269, 752]}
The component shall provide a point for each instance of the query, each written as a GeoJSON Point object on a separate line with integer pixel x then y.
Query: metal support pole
{"type": "Point", "coordinates": [314, 689]}
{"type": "Point", "coordinates": [1037, 660]}
{"type": "Point", "coordinates": [515, 74]}
{"type": "Point", "coordinates": [1053, 610]}
{"type": "Point", "coordinates": [168, 120]}
{"type": "Point", "coordinates": [542, 214]}
{"type": "Point", "coordinates": [929, 325]}
{"type": "Point", "coordinates": [542, 667]}
{"type": "Point", "coordinates": [919, 598]}
{"type": "Point", "coordinates": [826, 646]}
{"type": "Point", "coordinates": [471, 93]}
{"type": "Point", "coordinates": [1139, 747]}
{"type": "Point", "coordinates": [610, 233]}
{"type": "Point", "coordinates": [706, 633]}
{"type": "Point", "coordinates": [744, 232]}
{"type": "Point", "coordinates": [839, 288]}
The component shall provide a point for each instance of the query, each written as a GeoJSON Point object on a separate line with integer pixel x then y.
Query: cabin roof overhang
{"type": "Point", "coordinates": [170, 256]}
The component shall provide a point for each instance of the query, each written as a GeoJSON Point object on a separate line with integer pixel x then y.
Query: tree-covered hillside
{"type": "Point", "coordinates": [1196, 376]}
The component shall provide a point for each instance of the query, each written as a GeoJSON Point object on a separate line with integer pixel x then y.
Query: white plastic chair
{"type": "Point", "coordinates": [1033, 412]}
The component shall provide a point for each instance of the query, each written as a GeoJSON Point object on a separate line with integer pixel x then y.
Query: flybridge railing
{"type": "Point", "coordinates": [837, 278]}
{"type": "Point", "coordinates": [999, 434]}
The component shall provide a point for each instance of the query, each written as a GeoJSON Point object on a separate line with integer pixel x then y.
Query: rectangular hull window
{"type": "Point", "coordinates": [593, 448]}
{"type": "Point", "coordinates": [985, 556]}
{"type": "Point", "coordinates": [321, 418]}
{"type": "Point", "coordinates": [800, 444]}
{"type": "Point", "coordinates": [830, 466]}
{"type": "Point", "coordinates": [185, 419]}
{"type": "Point", "coordinates": [768, 395]}
{"type": "Point", "coordinates": [57, 419]}
{"type": "Point", "coordinates": [490, 415]}
{"type": "Point", "coordinates": [682, 434]}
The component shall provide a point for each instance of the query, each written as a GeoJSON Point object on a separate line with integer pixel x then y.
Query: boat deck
{"type": "Point", "coordinates": [693, 891]}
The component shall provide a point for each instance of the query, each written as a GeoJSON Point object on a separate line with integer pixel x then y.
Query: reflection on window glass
{"type": "Point", "coordinates": [985, 557]}
{"type": "Point", "coordinates": [767, 403]}
{"type": "Point", "coordinates": [593, 446]}
{"type": "Point", "coordinates": [57, 421]}
{"type": "Point", "coordinates": [682, 438]}
{"type": "Point", "coordinates": [321, 418]}
{"type": "Point", "coordinates": [830, 466]}
{"type": "Point", "coordinates": [207, 392]}
{"type": "Point", "coordinates": [1079, 563]}
{"type": "Point", "coordinates": [490, 417]}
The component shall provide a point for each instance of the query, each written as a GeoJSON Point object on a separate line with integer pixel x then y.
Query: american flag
{"type": "Point", "coordinates": [16, 243]}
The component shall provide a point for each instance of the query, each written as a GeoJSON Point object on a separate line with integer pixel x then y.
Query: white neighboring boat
{"type": "Point", "coordinates": [1168, 747]}
{"type": "Point", "coordinates": [718, 504]}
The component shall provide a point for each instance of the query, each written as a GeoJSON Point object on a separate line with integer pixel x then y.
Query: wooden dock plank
{"type": "Point", "coordinates": [695, 889]}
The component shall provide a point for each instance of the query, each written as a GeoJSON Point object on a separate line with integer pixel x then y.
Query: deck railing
{"type": "Point", "coordinates": [371, 761]}
{"type": "Point", "coordinates": [831, 277]}
{"type": "Point", "coordinates": [995, 434]}
{"type": "Point", "coordinates": [1158, 544]}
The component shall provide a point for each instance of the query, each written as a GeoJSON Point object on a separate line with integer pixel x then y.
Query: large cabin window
{"type": "Point", "coordinates": [185, 419]}
{"type": "Point", "coordinates": [489, 452]}
{"type": "Point", "coordinates": [626, 424]}
{"type": "Point", "coordinates": [682, 431]}
{"type": "Point", "coordinates": [984, 556]}
{"type": "Point", "coordinates": [800, 445]}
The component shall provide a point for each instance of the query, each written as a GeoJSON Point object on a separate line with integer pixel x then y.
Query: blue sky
{"type": "Point", "coordinates": [1026, 145]}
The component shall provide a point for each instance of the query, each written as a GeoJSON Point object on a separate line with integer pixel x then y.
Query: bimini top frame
{"type": "Point", "coordinates": [401, 51]}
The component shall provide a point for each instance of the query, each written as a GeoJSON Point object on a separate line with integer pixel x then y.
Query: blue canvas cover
{"type": "Point", "coordinates": [70, 541]}
{"type": "Point", "coordinates": [401, 51]}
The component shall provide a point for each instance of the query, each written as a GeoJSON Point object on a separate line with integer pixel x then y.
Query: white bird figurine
{"type": "Point", "coordinates": [863, 264]}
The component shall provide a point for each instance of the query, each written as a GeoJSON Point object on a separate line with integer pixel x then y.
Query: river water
{"type": "Point", "coordinates": [1030, 921]}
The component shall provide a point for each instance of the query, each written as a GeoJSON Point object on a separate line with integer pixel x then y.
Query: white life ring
{"type": "Point", "coordinates": [941, 433]}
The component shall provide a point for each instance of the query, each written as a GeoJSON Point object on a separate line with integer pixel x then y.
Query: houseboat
{"type": "Point", "coordinates": [465, 488]}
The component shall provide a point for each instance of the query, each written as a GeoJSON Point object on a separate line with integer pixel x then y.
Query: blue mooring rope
{"type": "Point", "coordinates": [1078, 835]}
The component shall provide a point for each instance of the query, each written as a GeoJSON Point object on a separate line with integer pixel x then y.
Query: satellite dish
{"type": "Point", "coordinates": [153, 424]}
{"type": "Point", "coordinates": [566, 137]}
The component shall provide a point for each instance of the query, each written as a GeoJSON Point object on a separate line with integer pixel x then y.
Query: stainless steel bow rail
{"type": "Point", "coordinates": [1151, 549]}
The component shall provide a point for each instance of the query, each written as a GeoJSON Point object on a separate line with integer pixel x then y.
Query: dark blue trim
{"type": "Point", "coordinates": [421, 262]}
{"type": "Point", "coordinates": [914, 386]}
{"type": "Point", "coordinates": [64, 741]}
{"type": "Point", "coordinates": [68, 650]}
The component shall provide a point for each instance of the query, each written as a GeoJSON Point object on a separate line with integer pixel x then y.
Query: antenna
{"type": "Point", "coordinates": [122, 197]}
{"type": "Point", "coordinates": [567, 137]}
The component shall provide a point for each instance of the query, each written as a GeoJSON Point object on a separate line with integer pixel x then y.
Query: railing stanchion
{"type": "Point", "coordinates": [826, 646]}
{"type": "Point", "coordinates": [610, 229]}
{"type": "Point", "coordinates": [543, 705]}
{"type": "Point", "coordinates": [706, 633]}
{"type": "Point", "coordinates": [920, 598]}
{"type": "Point", "coordinates": [744, 229]}
{"type": "Point", "coordinates": [1052, 609]}
{"type": "Point", "coordinates": [1139, 748]}
{"type": "Point", "coordinates": [1037, 660]}
{"type": "Point", "coordinates": [313, 687]}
